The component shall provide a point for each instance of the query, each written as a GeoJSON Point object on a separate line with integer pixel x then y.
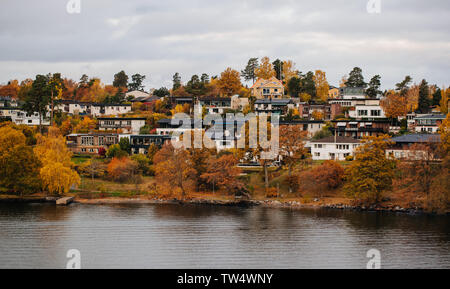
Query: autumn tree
{"type": "Point", "coordinates": [321, 84]}
{"type": "Point", "coordinates": [289, 71]}
{"type": "Point", "coordinates": [11, 89]}
{"type": "Point", "coordinates": [322, 179]}
{"type": "Point", "coordinates": [394, 105]}
{"type": "Point", "coordinates": [292, 146]}
{"type": "Point", "coordinates": [443, 103]}
{"type": "Point", "coordinates": [56, 174]}
{"type": "Point", "coordinates": [371, 173]}
{"type": "Point", "coordinates": [122, 169]}
{"type": "Point", "coordinates": [19, 166]}
{"type": "Point", "coordinates": [249, 72]}
{"type": "Point", "coordinates": [317, 115]}
{"type": "Point", "coordinates": [84, 126]}
{"type": "Point", "coordinates": [222, 172]}
{"type": "Point", "coordinates": [173, 170]}
{"type": "Point", "coordinates": [229, 82]}
{"type": "Point", "coordinates": [265, 69]}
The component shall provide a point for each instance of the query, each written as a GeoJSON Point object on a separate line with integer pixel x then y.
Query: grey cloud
{"type": "Point", "coordinates": [161, 37]}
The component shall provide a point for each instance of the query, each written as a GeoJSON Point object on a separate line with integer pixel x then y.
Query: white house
{"type": "Point", "coordinates": [90, 108]}
{"type": "Point", "coordinates": [128, 125]}
{"type": "Point", "coordinates": [333, 148]}
{"type": "Point", "coordinates": [428, 123]}
{"type": "Point", "coordinates": [367, 111]}
{"type": "Point", "coordinates": [22, 117]}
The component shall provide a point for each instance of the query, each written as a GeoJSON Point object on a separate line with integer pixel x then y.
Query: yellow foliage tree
{"type": "Point", "coordinates": [265, 69]}
{"type": "Point", "coordinates": [443, 104]}
{"type": "Point", "coordinates": [321, 83]}
{"type": "Point", "coordinates": [289, 70]}
{"type": "Point", "coordinates": [56, 174]}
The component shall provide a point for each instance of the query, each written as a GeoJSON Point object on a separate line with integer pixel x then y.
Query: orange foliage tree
{"type": "Point", "coordinates": [229, 82]}
{"type": "Point", "coordinates": [173, 170]}
{"type": "Point", "coordinates": [223, 172]}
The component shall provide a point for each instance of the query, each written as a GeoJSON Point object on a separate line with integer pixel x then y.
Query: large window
{"type": "Point", "coordinates": [87, 140]}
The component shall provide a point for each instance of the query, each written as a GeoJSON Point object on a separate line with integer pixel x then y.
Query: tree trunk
{"type": "Point", "coordinates": [51, 114]}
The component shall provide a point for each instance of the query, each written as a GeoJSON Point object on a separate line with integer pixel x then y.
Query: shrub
{"type": "Point", "coordinates": [122, 169]}
{"type": "Point", "coordinates": [115, 151]}
{"type": "Point", "coordinates": [322, 179]}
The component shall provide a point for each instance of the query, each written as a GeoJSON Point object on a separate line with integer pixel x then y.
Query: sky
{"type": "Point", "coordinates": [159, 38]}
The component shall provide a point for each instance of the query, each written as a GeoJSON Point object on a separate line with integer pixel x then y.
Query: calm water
{"type": "Point", "coordinates": [173, 236]}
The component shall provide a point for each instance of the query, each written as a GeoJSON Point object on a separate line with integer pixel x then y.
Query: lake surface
{"type": "Point", "coordinates": [176, 236]}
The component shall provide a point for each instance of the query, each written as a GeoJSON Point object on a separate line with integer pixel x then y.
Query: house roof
{"type": "Point", "coordinates": [121, 118]}
{"type": "Point", "coordinates": [337, 139]}
{"type": "Point", "coordinates": [272, 82]}
{"type": "Point", "coordinates": [417, 138]}
{"type": "Point", "coordinates": [431, 116]}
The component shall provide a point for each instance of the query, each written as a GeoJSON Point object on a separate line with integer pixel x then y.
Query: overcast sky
{"type": "Point", "coordinates": [159, 38]}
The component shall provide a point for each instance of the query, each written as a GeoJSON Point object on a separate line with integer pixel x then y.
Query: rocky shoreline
{"type": "Point", "coordinates": [230, 203]}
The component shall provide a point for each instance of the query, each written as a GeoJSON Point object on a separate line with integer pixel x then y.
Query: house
{"type": "Point", "coordinates": [128, 125]}
{"type": "Point", "coordinates": [352, 93]}
{"type": "Point", "coordinates": [135, 94]}
{"type": "Point", "coordinates": [88, 143]}
{"type": "Point", "coordinates": [225, 133]}
{"type": "Point", "coordinates": [239, 103]}
{"type": "Point", "coordinates": [402, 146]}
{"type": "Point", "coordinates": [90, 108]}
{"type": "Point", "coordinates": [333, 148]}
{"type": "Point", "coordinates": [32, 119]}
{"type": "Point", "coordinates": [333, 92]}
{"type": "Point", "coordinates": [311, 126]}
{"type": "Point", "coordinates": [360, 128]}
{"type": "Point", "coordinates": [328, 111]}
{"type": "Point", "coordinates": [140, 143]}
{"type": "Point", "coordinates": [428, 123]}
{"type": "Point", "coordinates": [177, 128]}
{"type": "Point", "coordinates": [267, 88]}
{"type": "Point", "coordinates": [273, 106]}
{"type": "Point", "coordinates": [215, 105]}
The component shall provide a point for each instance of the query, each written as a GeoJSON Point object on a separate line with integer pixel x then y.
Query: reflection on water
{"type": "Point", "coordinates": [176, 236]}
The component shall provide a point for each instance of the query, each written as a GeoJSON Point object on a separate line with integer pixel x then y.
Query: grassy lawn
{"type": "Point", "coordinates": [80, 159]}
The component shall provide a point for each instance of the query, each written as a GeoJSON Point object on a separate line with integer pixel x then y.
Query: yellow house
{"type": "Point", "coordinates": [267, 88]}
{"type": "Point", "coordinates": [333, 92]}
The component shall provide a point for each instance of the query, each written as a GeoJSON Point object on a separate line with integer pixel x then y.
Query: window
{"type": "Point", "coordinates": [317, 154]}
{"type": "Point", "coordinates": [318, 146]}
{"type": "Point", "coordinates": [375, 112]}
{"type": "Point", "coordinates": [87, 140]}
{"type": "Point", "coordinates": [362, 112]}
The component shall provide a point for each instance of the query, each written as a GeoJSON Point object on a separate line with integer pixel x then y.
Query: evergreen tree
{"type": "Point", "coordinates": [38, 98]}
{"type": "Point", "coordinates": [424, 99]}
{"type": "Point", "coordinates": [278, 67]}
{"type": "Point", "coordinates": [176, 81]}
{"type": "Point", "coordinates": [374, 87]}
{"type": "Point", "coordinates": [356, 79]}
{"type": "Point", "coordinates": [136, 82]}
{"type": "Point", "coordinates": [249, 71]}
{"type": "Point", "coordinates": [120, 79]}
